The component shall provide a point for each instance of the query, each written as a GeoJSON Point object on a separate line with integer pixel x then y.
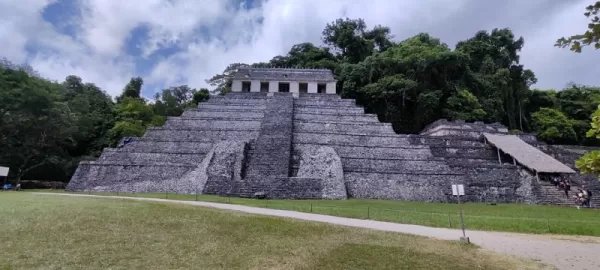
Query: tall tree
{"type": "Point", "coordinates": [495, 76]}
{"type": "Point", "coordinates": [222, 82]}
{"type": "Point", "coordinates": [36, 127]}
{"type": "Point", "coordinates": [347, 36]}
{"type": "Point", "coordinates": [174, 100]}
{"type": "Point", "coordinates": [591, 37]}
{"type": "Point", "coordinates": [133, 89]}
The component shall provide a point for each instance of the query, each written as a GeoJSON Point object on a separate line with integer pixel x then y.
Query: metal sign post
{"type": "Point", "coordinates": [459, 190]}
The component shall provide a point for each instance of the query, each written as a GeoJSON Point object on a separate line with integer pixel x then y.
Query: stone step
{"type": "Point", "coordinates": [106, 174]}
{"type": "Point", "coordinates": [258, 115]}
{"type": "Point", "coordinates": [174, 147]}
{"type": "Point", "coordinates": [339, 128]}
{"type": "Point", "coordinates": [348, 151]}
{"type": "Point", "coordinates": [324, 102]}
{"type": "Point", "coordinates": [248, 102]}
{"type": "Point", "coordinates": [318, 96]}
{"type": "Point", "coordinates": [229, 107]}
{"type": "Point", "coordinates": [331, 110]}
{"type": "Point", "coordinates": [187, 123]}
{"type": "Point", "coordinates": [212, 135]}
{"type": "Point", "coordinates": [310, 117]}
{"type": "Point", "coordinates": [393, 140]}
{"type": "Point", "coordinates": [393, 165]}
{"type": "Point", "coordinates": [464, 152]}
{"type": "Point", "coordinates": [146, 158]}
{"type": "Point", "coordinates": [247, 95]}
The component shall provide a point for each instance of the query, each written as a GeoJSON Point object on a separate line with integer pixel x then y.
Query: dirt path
{"type": "Point", "coordinates": [564, 252]}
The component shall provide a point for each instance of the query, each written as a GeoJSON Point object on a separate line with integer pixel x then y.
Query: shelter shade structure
{"type": "Point", "coordinates": [284, 80]}
{"type": "Point", "coordinates": [526, 155]}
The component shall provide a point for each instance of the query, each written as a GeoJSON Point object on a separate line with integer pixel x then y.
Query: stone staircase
{"type": "Point", "coordinates": [268, 156]}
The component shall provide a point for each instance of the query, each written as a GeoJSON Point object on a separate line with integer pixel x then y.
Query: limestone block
{"type": "Point", "coordinates": [324, 163]}
{"type": "Point", "coordinates": [330, 88]}
{"type": "Point", "coordinates": [236, 86]}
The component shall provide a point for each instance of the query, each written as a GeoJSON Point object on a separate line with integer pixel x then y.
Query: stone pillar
{"type": "Point", "coordinates": [254, 86]}
{"type": "Point", "coordinates": [273, 86]}
{"type": "Point", "coordinates": [294, 87]}
{"type": "Point", "coordinates": [236, 86]}
{"type": "Point", "coordinates": [330, 89]}
{"type": "Point", "coordinates": [312, 87]}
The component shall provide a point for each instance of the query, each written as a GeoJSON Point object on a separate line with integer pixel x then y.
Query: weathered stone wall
{"type": "Point", "coordinates": [323, 163]}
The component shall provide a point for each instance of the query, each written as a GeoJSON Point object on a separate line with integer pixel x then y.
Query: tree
{"type": "Point", "coordinates": [381, 37]}
{"type": "Point", "coordinates": [201, 95]}
{"type": "Point", "coordinates": [222, 82]}
{"type": "Point", "coordinates": [407, 84]}
{"type": "Point", "coordinates": [465, 106]}
{"type": "Point", "coordinates": [553, 126]}
{"type": "Point", "coordinates": [36, 126]}
{"type": "Point", "coordinates": [173, 100]}
{"type": "Point", "coordinates": [591, 37]}
{"type": "Point", "coordinates": [303, 55]}
{"type": "Point", "coordinates": [495, 76]}
{"type": "Point", "coordinates": [92, 111]}
{"type": "Point", "coordinates": [589, 163]}
{"type": "Point", "coordinates": [133, 89]}
{"type": "Point", "coordinates": [133, 116]}
{"type": "Point", "coordinates": [347, 36]}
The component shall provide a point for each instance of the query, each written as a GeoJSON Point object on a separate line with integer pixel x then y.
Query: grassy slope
{"type": "Point", "coordinates": [52, 232]}
{"type": "Point", "coordinates": [501, 217]}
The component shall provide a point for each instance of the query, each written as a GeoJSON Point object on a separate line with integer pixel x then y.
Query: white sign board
{"type": "Point", "coordinates": [3, 171]}
{"type": "Point", "coordinates": [458, 190]}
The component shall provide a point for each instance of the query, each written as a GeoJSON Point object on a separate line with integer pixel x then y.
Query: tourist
{"type": "Point", "coordinates": [585, 196]}
{"type": "Point", "coordinates": [589, 198]}
{"type": "Point", "coordinates": [566, 187]}
{"type": "Point", "coordinates": [579, 198]}
{"type": "Point", "coordinates": [555, 181]}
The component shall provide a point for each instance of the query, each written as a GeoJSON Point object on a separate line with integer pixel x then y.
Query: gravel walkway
{"type": "Point", "coordinates": [564, 252]}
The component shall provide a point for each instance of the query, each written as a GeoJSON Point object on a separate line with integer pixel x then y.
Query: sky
{"type": "Point", "coordinates": [172, 42]}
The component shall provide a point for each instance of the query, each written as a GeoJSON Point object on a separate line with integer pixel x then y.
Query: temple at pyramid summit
{"type": "Point", "coordinates": [285, 133]}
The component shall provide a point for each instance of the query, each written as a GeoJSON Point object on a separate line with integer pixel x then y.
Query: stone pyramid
{"type": "Point", "coordinates": [276, 145]}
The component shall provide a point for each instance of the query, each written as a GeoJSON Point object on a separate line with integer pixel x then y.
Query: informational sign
{"type": "Point", "coordinates": [3, 171]}
{"type": "Point", "coordinates": [458, 190]}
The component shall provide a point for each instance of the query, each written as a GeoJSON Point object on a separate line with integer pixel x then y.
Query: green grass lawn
{"type": "Point", "coordinates": [55, 232]}
{"type": "Point", "coordinates": [480, 216]}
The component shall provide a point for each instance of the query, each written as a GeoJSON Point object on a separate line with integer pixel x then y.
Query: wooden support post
{"type": "Point", "coordinates": [514, 161]}
{"type": "Point", "coordinates": [499, 159]}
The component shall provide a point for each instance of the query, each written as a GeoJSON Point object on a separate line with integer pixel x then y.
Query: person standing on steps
{"type": "Point", "coordinates": [589, 198]}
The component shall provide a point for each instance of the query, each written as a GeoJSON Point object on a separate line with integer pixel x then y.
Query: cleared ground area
{"type": "Point", "coordinates": [63, 232]}
{"type": "Point", "coordinates": [524, 218]}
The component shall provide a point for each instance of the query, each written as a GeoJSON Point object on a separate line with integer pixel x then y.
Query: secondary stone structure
{"type": "Point", "coordinates": [314, 144]}
{"type": "Point", "coordinates": [284, 80]}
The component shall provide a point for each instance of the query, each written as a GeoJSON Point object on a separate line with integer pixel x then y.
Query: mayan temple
{"type": "Point", "coordinates": [285, 133]}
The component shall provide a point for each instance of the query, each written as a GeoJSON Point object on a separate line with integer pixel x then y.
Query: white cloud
{"type": "Point", "coordinates": [98, 52]}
